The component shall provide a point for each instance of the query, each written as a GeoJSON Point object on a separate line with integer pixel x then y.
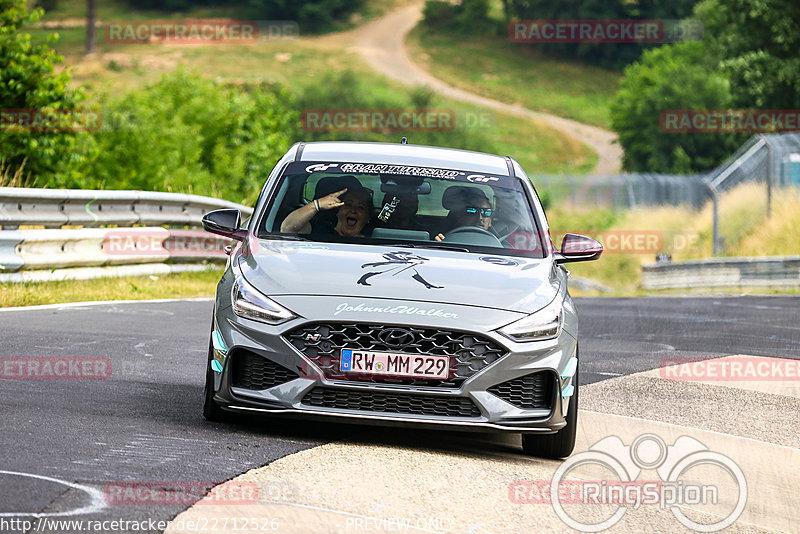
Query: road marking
{"type": "Point", "coordinates": [97, 503]}
{"type": "Point", "coordinates": [66, 305]}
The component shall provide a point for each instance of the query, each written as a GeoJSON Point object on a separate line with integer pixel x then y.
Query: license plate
{"type": "Point", "coordinates": [394, 364]}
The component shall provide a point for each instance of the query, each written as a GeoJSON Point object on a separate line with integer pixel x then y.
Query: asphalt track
{"type": "Point", "coordinates": [143, 424]}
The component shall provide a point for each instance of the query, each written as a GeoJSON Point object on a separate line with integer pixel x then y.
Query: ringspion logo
{"type": "Point", "coordinates": [675, 489]}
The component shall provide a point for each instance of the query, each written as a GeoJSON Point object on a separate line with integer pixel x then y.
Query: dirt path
{"type": "Point", "coordinates": [381, 43]}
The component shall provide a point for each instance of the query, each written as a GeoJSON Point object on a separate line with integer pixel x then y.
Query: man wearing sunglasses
{"type": "Point", "coordinates": [474, 209]}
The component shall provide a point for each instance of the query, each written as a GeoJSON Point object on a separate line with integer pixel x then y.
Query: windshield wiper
{"type": "Point", "coordinates": [431, 245]}
{"type": "Point", "coordinates": [284, 237]}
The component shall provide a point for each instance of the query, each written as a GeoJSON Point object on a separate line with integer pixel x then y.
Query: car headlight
{"type": "Point", "coordinates": [544, 324]}
{"type": "Point", "coordinates": [250, 304]}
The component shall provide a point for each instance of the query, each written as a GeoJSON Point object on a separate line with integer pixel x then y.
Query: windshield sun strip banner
{"type": "Point", "coordinates": [403, 170]}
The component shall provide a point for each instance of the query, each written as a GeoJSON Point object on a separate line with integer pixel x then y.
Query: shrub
{"type": "Point", "coordinates": [189, 134]}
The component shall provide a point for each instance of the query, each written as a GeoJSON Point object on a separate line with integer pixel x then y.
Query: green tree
{"type": "Point", "coordinates": [28, 81]}
{"type": "Point", "coordinates": [758, 43]}
{"type": "Point", "coordinates": [679, 76]}
{"type": "Point", "coordinates": [747, 59]}
{"type": "Point", "coordinates": [609, 55]}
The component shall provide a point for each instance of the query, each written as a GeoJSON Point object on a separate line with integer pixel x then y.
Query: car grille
{"type": "Point", "coordinates": [322, 344]}
{"type": "Point", "coordinates": [251, 371]}
{"type": "Point", "coordinates": [534, 391]}
{"type": "Point", "coordinates": [370, 401]}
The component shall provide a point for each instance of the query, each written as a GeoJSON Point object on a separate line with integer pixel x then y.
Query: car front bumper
{"type": "Point", "coordinates": [307, 390]}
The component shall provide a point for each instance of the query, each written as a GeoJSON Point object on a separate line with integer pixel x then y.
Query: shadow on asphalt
{"type": "Point", "coordinates": [460, 443]}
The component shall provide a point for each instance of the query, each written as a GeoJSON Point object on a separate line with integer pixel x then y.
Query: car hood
{"type": "Point", "coordinates": [399, 273]}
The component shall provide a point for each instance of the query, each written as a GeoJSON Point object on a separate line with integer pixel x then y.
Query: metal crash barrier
{"type": "Point", "coordinates": [117, 231]}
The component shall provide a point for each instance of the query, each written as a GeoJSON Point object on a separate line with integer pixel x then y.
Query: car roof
{"type": "Point", "coordinates": [400, 154]}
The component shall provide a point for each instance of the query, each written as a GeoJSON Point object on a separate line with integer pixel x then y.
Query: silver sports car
{"type": "Point", "coordinates": [402, 285]}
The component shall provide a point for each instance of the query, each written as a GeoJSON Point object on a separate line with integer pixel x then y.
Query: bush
{"type": "Point", "coordinates": [439, 14]}
{"type": "Point", "coordinates": [469, 16]}
{"type": "Point", "coordinates": [189, 134]}
{"type": "Point", "coordinates": [346, 90]}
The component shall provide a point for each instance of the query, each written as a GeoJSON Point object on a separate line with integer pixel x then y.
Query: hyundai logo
{"type": "Point", "coordinates": [397, 337]}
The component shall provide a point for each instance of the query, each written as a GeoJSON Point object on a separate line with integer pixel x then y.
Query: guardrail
{"type": "Point", "coordinates": [54, 208]}
{"type": "Point", "coordinates": [776, 271]}
{"type": "Point", "coordinates": [53, 253]}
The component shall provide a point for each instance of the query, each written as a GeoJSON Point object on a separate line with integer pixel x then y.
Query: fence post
{"type": "Point", "coordinates": [769, 175]}
{"type": "Point", "coordinates": [714, 201]}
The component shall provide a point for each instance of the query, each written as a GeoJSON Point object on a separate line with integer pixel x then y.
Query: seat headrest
{"type": "Point", "coordinates": [331, 184]}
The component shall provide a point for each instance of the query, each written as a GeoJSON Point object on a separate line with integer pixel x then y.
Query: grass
{"type": "Point", "coordinates": [514, 73]}
{"type": "Point", "coordinates": [14, 177]}
{"type": "Point", "coordinates": [687, 233]}
{"type": "Point", "coordinates": [179, 285]}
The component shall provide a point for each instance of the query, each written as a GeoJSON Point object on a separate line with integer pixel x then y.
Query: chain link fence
{"type": "Point", "coordinates": [772, 159]}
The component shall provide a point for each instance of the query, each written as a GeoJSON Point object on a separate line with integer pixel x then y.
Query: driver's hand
{"type": "Point", "coordinates": [439, 237]}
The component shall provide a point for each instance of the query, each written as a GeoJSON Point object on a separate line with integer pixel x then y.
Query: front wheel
{"type": "Point", "coordinates": [211, 410]}
{"type": "Point", "coordinates": [558, 445]}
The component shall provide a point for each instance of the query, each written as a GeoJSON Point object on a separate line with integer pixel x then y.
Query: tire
{"type": "Point", "coordinates": [558, 445]}
{"type": "Point", "coordinates": [211, 410]}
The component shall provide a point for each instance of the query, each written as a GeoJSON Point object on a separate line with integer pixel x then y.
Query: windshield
{"type": "Point", "coordinates": [394, 204]}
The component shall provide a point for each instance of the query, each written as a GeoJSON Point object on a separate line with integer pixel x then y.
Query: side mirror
{"type": "Point", "coordinates": [578, 248]}
{"type": "Point", "coordinates": [225, 223]}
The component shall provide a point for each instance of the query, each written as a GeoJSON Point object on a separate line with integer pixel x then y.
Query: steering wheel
{"type": "Point", "coordinates": [510, 229]}
{"type": "Point", "coordinates": [483, 237]}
